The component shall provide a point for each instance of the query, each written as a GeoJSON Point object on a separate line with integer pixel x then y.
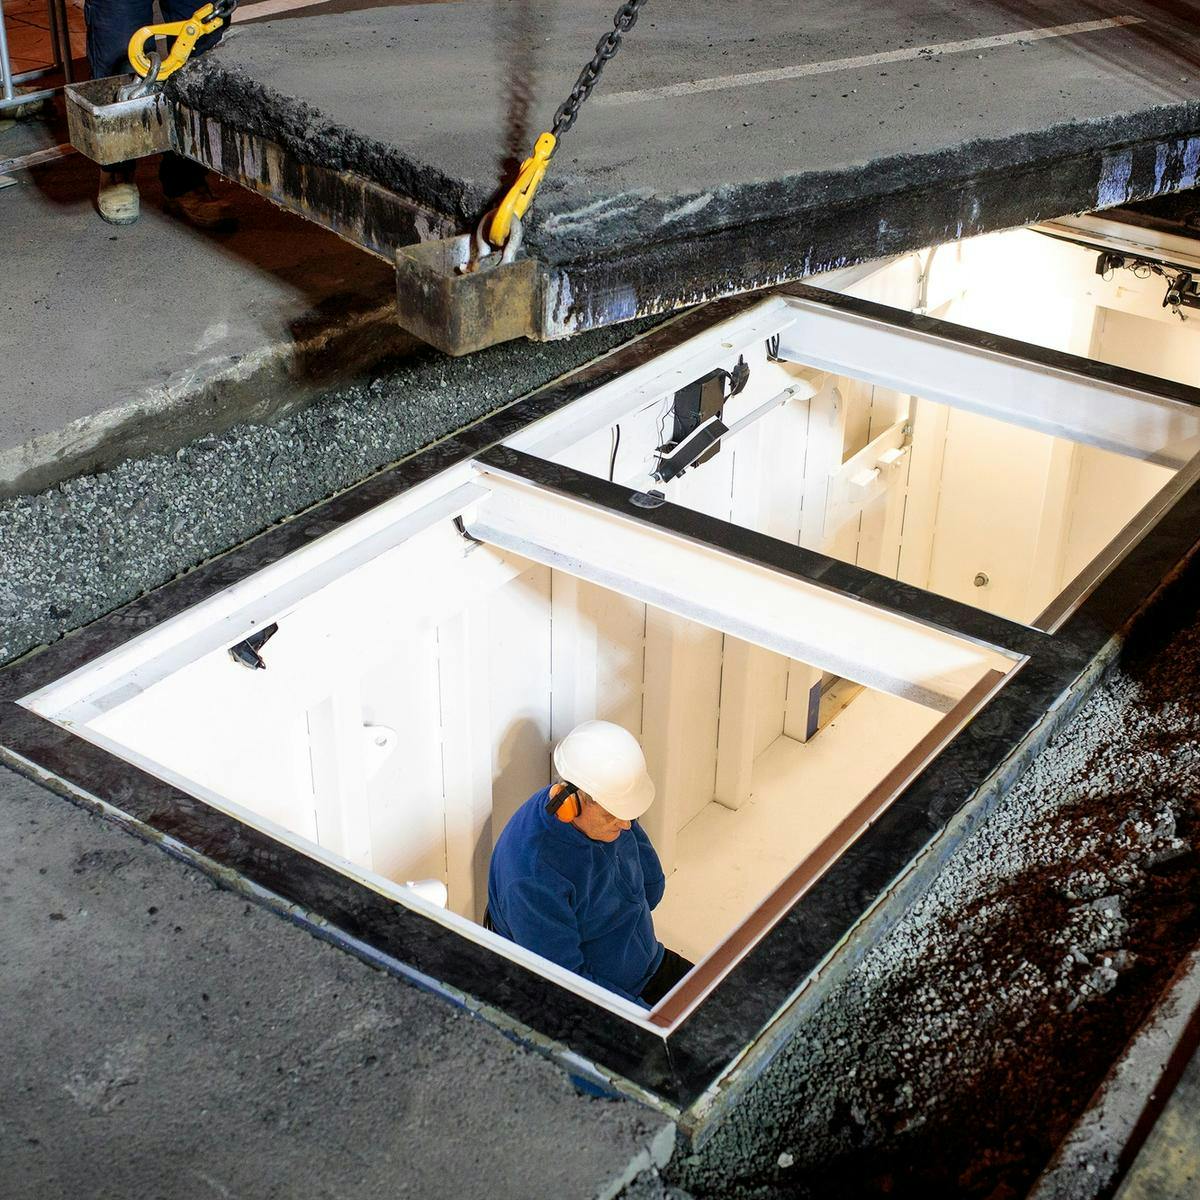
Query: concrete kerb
{"type": "Point", "coordinates": [1103, 1142]}
{"type": "Point", "coordinates": [258, 387]}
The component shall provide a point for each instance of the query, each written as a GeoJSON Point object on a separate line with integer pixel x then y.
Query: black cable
{"type": "Point", "coordinates": [616, 445]}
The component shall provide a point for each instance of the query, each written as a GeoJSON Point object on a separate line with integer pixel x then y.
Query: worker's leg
{"type": "Point", "coordinates": [179, 175]}
{"type": "Point", "coordinates": [184, 182]}
{"type": "Point", "coordinates": [670, 971]}
{"type": "Point", "coordinates": [110, 25]}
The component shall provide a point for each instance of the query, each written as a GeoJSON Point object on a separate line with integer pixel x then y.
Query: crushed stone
{"type": "Point", "coordinates": [92, 543]}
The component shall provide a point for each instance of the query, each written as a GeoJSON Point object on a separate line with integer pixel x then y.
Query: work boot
{"type": "Point", "coordinates": [19, 112]}
{"type": "Point", "coordinates": [201, 208]}
{"type": "Point", "coordinates": [118, 201]}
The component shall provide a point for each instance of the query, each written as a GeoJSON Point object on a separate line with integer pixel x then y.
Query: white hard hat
{"type": "Point", "coordinates": [606, 762]}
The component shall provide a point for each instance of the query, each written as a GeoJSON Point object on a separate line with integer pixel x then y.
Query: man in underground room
{"type": "Point", "coordinates": [574, 877]}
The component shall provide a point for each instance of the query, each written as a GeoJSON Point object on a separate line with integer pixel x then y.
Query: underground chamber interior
{"type": "Point", "coordinates": [403, 711]}
{"type": "Point", "coordinates": [979, 497]}
{"type": "Point", "coordinates": [386, 698]}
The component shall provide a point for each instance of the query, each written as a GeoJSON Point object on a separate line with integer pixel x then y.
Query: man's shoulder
{"type": "Point", "coordinates": [530, 843]}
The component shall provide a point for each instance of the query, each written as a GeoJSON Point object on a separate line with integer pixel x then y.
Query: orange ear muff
{"type": "Point", "coordinates": [567, 808]}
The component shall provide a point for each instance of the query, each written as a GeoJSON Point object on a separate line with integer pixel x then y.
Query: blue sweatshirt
{"type": "Point", "coordinates": [580, 903]}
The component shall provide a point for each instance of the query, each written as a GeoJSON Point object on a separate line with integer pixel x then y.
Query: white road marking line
{"type": "Point", "coordinates": [247, 12]}
{"type": "Point", "coordinates": [267, 8]}
{"type": "Point", "coordinates": [37, 156]}
{"type": "Point", "coordinates": [775, 74]}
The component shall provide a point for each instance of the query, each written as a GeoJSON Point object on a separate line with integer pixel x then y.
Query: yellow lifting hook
{"type": "Point", "coordinates": [520, 196]}
{"type": "Point", "coordinates": [186, 34]}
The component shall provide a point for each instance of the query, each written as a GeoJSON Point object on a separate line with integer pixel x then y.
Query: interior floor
{"type": "Point", "coordinates": [729, 860]}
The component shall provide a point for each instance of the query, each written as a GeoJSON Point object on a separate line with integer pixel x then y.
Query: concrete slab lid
{"type": "Point", "coordinates": [859, 99]}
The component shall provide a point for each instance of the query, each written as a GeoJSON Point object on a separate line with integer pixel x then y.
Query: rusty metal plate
{"type": "Point", "coordinates": [109, 130]}
{"type": "Point", "coordinates": [460, 310]}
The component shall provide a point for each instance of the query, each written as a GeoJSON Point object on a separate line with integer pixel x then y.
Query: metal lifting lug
{"type": "Point", "coordinates": [460, 295]}
{"type": "Point", "coordinates": [116, 119]}
{"type": "Point", "coordinates": [205, 20]}
{"type": "Point", "coordinates": [119, 118]}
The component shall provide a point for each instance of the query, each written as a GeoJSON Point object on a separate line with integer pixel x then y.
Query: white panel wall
{"type": "Point", "coordinates": [991, 507]}
{"type": "Point", "coordinates": [1026, 510]}
{"type": "Point", "coordinates": [519, 690]}
{"type": "Point", "coordinates": [238, 732]}
{"type": "Point", "coordinates": [464, 642]}
{"type": "Point", "coordinates": [1159, 344]}
{"type": "Point", "coordinates": [404, 783]}
{"type": "Point", "coordinates": [679, 723]}
{"type": "Point", "coordinates": [1106, 490]}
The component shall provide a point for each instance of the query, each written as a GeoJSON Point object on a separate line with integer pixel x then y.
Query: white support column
{"type": "Point", "coordinates": [822, 458]}
{"type": "Point", "coordinates": [573, 657]}
{"type": "Point", "coordinates": [736, 733]}
{"type": "Point", "coordinates": [466, 757]}
{"type": "Point", "coordinates": [927, 452]}
{"type": "Point", "coordinates": [682, 684]}
{"type": "Point", "coordinates": [335, 730]}
{"type": "Point", "coordinates": [881, 529]}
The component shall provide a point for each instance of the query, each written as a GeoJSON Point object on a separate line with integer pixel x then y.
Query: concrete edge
{"type": "Point", "coordinates": [215, 395]}
{"type": "Point", "coordinates": [652, 1157]}
{"type": "Point", "coordinates": [1102, 1144]}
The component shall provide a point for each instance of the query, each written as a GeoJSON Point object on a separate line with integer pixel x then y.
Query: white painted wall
{"type": "Point", "coordinates": [1053, 505]}
{"type": "Point", "coordinates": [978, 497]}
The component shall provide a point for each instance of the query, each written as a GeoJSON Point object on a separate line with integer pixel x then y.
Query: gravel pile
{"type": "Point", "coordinates": [962, 1049]}
{"type": "Point", "coordinates": [93, 543]}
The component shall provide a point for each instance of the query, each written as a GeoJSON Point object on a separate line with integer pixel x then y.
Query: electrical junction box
{"type": "Point", "coordinates": [695, 404]}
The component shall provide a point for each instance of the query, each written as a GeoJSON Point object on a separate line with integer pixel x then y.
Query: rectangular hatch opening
{"type": "Point", "coordinates": [835, 629]}
{"type": "Point", "coordinates": [392, 719]}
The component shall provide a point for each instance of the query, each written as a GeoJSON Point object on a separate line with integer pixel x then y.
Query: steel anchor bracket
{"type": "Point", "coordinates": [459, 310]}
{"type": "Point", "coordinates": [110, 130]}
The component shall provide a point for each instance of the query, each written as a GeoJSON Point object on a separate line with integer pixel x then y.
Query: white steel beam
{"type": "Point", "coordinates": [1127, 420]}
{"type": "Point", "coordinates": [790, 616]}
{"type": "Point", "coordinates": [1119, 237]}
{"type": "Point", "coordinates": [660, 376]}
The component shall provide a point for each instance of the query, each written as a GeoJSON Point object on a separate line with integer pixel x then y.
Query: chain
{"type": "Point", "coordinates": [497, 225]}
{"type": "Point", "coordinates": [606, 48]}
{"type": "Point", "coordinates": [224, 9]}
